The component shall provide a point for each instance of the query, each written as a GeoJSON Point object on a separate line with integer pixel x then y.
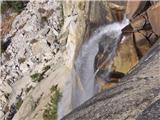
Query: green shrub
{"type": "Point", "coordinates": [19, 103]}
{"type": "Point", "coordinates": [16, 6]}
{"type": "Point", "coordinates": [37, 77]}
{"type": "Point", "coordinates": [28, 89]}
{"type": "Point", "coordinates": [4, 6]}
{"type": "Point", "coordinates": [46, 68]}
{"type": "Point", "coordinates": [50, 112]}
{"type": "Point", "coordinates": [2, 48]}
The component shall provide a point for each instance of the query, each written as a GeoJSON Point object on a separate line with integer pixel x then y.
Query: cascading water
{"type": "Point", "coordinates": [84, 65]}
{"type": "Point", "coordinates": [82, 81]}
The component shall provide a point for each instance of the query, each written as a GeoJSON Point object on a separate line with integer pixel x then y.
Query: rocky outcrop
{"type": "Point", "coordinates": [139, 35]}
{"type": "Point", "coordinates": [153, 16]}
{"type": "Point", "coordinates": [6, 24]}
{"type": "Point", "coordinates": [51, 33]}
{"type": "Point", "coordinates": [31, 45]}
{"type": "Point", "coordinates": [135, 93]}
{"type": "Point", "coordinates": [135, 8]}
{"type": "Point", "coordinates": [126, 56]}
{"type": "Point", "coordinates": [43, 33]}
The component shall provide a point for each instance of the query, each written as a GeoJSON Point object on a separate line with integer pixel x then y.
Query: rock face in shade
{"type": "Point", "coordinates": [135, 93]}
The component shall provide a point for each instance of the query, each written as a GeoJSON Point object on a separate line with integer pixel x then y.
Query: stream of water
{"type": "Point", "coordinates": [84, 85]}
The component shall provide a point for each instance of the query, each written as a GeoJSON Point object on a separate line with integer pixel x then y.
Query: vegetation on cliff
{"type": "Point", "coordinates": [16, 6]}
{"type": "Point", "coordinates": [50, 112]}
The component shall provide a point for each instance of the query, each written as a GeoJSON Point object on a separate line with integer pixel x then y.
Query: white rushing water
{"type": "Point", "coordinates": [86, 86]}
{"type": "Point", "coordinates": [81, 86]}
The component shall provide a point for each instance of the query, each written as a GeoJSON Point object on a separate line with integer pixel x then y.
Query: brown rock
{"type": "Point", "coordinates": [138, 23]}
{"type": "Point", "coordinates": [154, 17]}
{"type": "Point", "coordinates": [117, 11]}
{"type": "Point", "coordinates": [116, 6]}
{"type": "Point", "coordinates": [126, 56]}
{"type": "Point", "coordinates": [152, 37]}
{"type": "Point", "coordinates": [104, 85]}
{"type": "Point", "coordinates": [135, 8]}
{"type": "Point", "coordinates": [141, 43]}
{"type": "Point", "coordinates": [6, 24]}
{"type": "Point", "coordinates": [127, 30]}
{"type": "Point", "coordinates": [105, 12]}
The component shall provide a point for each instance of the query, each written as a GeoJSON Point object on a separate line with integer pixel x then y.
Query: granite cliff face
{"type": "Point", "coordinates": [136, 96]}
{"type": "Point", "coordinates": [46, 38]}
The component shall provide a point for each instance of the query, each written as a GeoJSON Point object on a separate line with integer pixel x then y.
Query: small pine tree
{"type": "Point", "coordinates": [50, 112]}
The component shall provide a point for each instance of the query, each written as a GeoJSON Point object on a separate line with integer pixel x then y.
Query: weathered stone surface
{"type": "Point", "coordinates": [151, 112]}
{"type": "Point", "coordinates": [44, 34]}
{"type": "Point", "coordinates": [138, 23]}
{"type": "Point", "coordinates": [32, 46]}
{"type": "Point", "coordinates": [6, 24]}
{"type": "Point", "coordinates": [37, 99]}
{"type": "Point", "coordinates": [142, 43]}
{"type": "Point", "coordinates": [154, 17]}
{"type": "Point", "coordinates": [117, 10]}
{"type": "Point", "coordinates": [130, 97]}
{"type": "Point", "coordinates": [142, 34]}
{"type": "Point", "coordinates": [126, 56]}
{"type": "Point", "coordinates": [82, 19]}
{"type": "Point", "coordinates": [135, 8]}
{"type": "Point", "coordinates": [74, 29]}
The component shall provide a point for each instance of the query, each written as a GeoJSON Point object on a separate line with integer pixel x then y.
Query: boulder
{"type": "Point", "coordinates": [141, 43]}
{"type": "Point", "coordinates": [135, 8]}
{"type": "Point", "coordinates": [126, 56]}
{"type": "Point", "coordinates": [142, 34]}
{"type": "Point", "coordinates": [154, 17]}
{"type": "Point", "coordinates": [117, 10]}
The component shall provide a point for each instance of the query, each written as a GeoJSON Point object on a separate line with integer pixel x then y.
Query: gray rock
{"type": "Point", "coordinates": [151, 113]}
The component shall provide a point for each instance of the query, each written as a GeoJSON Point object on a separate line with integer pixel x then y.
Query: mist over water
{"type": "Point", "coordinates": [83, 86]}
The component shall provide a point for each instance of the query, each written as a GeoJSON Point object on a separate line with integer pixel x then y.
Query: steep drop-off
{"type": "Point", "coordinates": [74, 45]}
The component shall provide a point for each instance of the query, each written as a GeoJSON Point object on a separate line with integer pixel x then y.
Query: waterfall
{"type": "Point", "coordinates": [81, 86]}
{"type": "Point", "coordinates": [85, 86]}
